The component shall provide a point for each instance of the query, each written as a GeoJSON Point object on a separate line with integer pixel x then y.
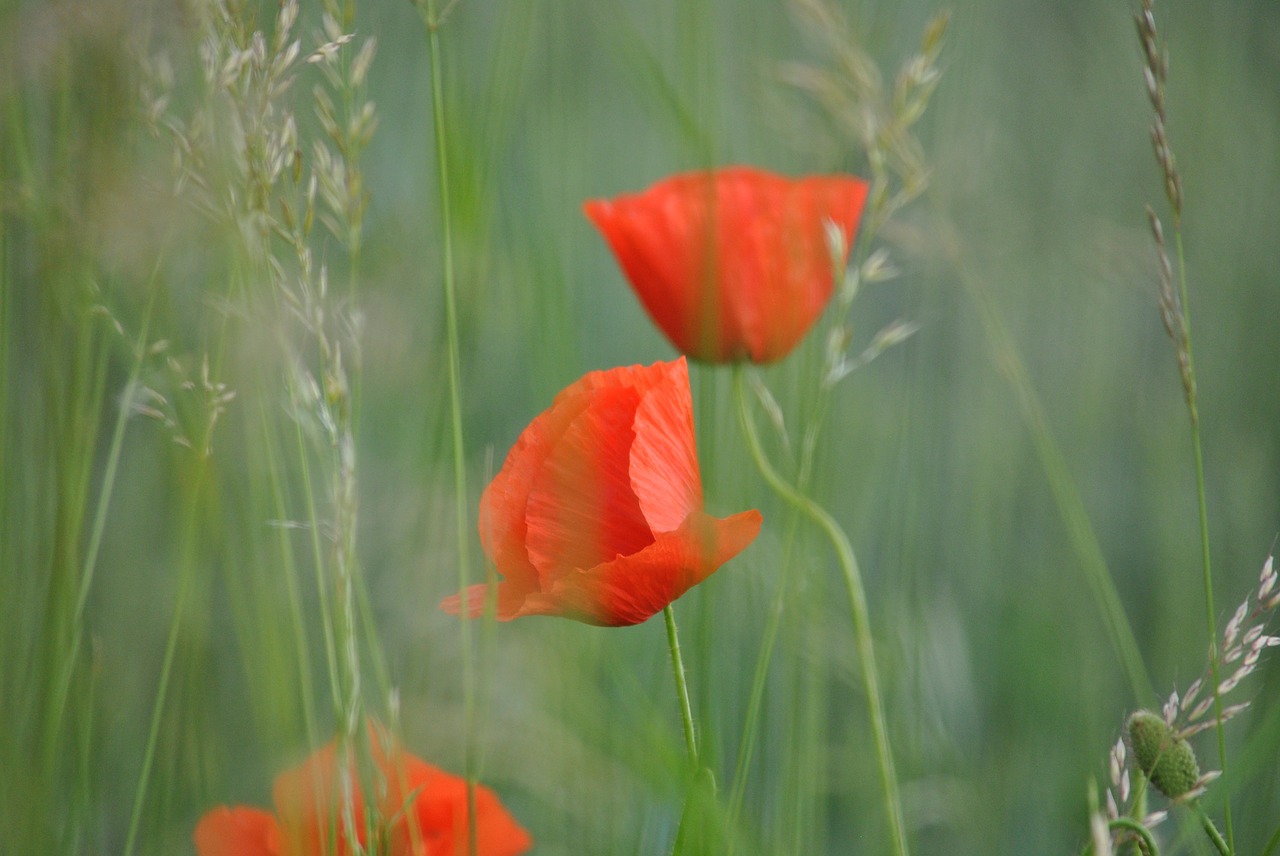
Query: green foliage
{"type": "Point", "coordinates": [128, 314]}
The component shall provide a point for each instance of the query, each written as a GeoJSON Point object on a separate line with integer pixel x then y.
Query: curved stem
{"type": "Point", "coordinates": [1135, 828]}
{"type": "Point", "coordinates": [682, 686]}
{"type": "Point", "coordinates": [857, 608]}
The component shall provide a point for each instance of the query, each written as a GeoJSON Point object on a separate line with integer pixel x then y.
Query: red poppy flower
{"type": "Point", "coordinates": [731, 264]}
{"type": "Point", "coordinates": [423, 812]}
{"type": "Point", "coordinates": [597, 513]}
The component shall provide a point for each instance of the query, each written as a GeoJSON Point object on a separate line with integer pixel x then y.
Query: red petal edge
{"type": "Point", "coordinates": [238, 831]}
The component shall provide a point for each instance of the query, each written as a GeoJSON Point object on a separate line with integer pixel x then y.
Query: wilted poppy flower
{"type": "Point", "coordinates": [422, 812]}
{"type": "Point", "coordinates": [597, 513]}
{"type": "Point", "coordinates": [732, 264]}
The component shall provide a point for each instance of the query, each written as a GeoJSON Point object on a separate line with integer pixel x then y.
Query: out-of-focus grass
{"type": "Point", "coordinates": [1004, 693]}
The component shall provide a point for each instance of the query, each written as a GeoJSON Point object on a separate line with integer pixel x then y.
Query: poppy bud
{"type": "Point", "coordinates": [1166, 759]}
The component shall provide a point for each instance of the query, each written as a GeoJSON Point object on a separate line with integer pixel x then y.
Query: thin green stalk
{"type": "Point", "coordinates": [746, 742]}
{"type": "Point", "coordinates": [290, 573]}
{"type": "Point", "coordinates": [682, 686]}
{"type": "Point", "coordinates": [1202, 509]}
{"type": "Point", "coordinates": [1223, 847]}
{"type": "Point", "coordinates": [1272, 843]}
{"type": "Point", "coordinates": [433, 23]}
{"type": "Point", "coordinates": [858, 611]}
{"type": "Point", "coordinates": [317, 563]}
{"type": "Point", "coordinates": [99, 523]}
{"type": "Point", "coordinates": [189, 530]}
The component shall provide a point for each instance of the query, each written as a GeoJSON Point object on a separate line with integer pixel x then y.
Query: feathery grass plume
{"type": "Point", "coordinates": [1159, 743]}
{"type": "Point", "coordinates": [69, 174]}
{"type": "Point", "coordinates": [1155, 73]}
{"type": "Point", "coordinates": [242, 161]}
{"type": "Point", "coordinates": [879, 119]}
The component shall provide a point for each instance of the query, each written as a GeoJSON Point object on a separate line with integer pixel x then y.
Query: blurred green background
{"type": "Point", "coordinates": [1030, 249]}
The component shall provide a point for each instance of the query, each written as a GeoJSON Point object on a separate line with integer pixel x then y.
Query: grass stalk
{"type": "Point", "coordinates": [1206, 562]}
{"type": "Point", "coordinates": [185, 583]}
{"type": "Point", "coordinates": [433, 22]}
{"type": "Point", "coordinates": [1223, 847]}
{"type": "Point", "coordinates": [857, 607]}
{"type": "Point", "coordinates": [99, 524]}
{"type": "Point", "coordinates": [1176, 315]}
{"type": "Point", "coordinates": [746, 743]}
{"type": "Point", "coordinates": [290, 575]}
{"type": "Point", "coordinates": [755, 701]}
{"type": "Point", "coordinates": [1273, 843]}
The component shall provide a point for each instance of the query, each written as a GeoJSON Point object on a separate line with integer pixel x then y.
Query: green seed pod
{"type": "Point", "coordinates": [1165, 759]}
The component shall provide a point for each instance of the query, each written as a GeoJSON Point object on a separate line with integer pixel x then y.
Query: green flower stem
{"type": "Point", "coordinates": [433, 22]}
{"type": "Point", "coordinates": [682, 686]}
{"type": "Point", "coordinates": [858, 611]}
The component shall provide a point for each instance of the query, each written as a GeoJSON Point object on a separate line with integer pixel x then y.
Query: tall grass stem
{"type": "Point", "coordinates": [186, 580]}
{"type": "Point", "coordinates": [427, 8]}
{"type": "Point", "coordinates": [99, 521]}
{"type": "Point", "coordinates": [1206, 563]}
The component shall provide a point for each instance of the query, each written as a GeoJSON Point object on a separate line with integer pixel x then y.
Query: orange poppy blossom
{"type": "Point", "coordinates": [597, 513]}
{"type": "Point", "coordinates": [731, 264]}
{"type": "Point", "coordinates": [423, 812]}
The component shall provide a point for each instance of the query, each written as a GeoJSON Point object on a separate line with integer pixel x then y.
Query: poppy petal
{"type": "Point", "coordinates": [602, 484]}
{"type": "Point", "coordinates": [238, 831]}
{"type": "Point", "coordinates": [421, 811]}
{"type": "Point", "coordinates": [799, 280]}
{"type": "Point", "coordinates": [438, 819]}
{"type": "Point", "coordinates": [664, 460]}
{"type": "Point", "coordinates": [583, 510]}
{"type": "Point", "coordinates": [430, 808]}
{"type": "Point", "coordinates": [661, 242]}
{"type": "Point", "coordinates": [503, 505]}
{"type": "Point", "coordinates": [502, 520]}
{"type": "Point", "coordinates": [631, 589]}
{"type": "Point", "coordinates": [731, 264]}
{"type": "Point", "coordinates": [307, 799]}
